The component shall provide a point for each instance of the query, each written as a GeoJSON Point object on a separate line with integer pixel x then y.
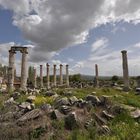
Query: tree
{"type": "Point", "coordinates": [75, 77]}
{"type": "Point", "coordinates": [115, 78]}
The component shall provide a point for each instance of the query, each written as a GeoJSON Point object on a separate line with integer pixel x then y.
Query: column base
{"type": "Point", "coordinates": [126, 89]}
{"type": "Point", "coordinates": [23, 89]}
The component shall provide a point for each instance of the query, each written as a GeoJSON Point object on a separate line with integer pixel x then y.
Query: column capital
{"type": "Point", "coordinates": [24, 50]}
{"type": "Point", "coordinates": [61, 65]}
{"type": "Point", "coordinates": [47, 65]}
{"type": "Point", "coordinates": [12, 51]}
{"type": "Point", "coordinates": [123, 51]}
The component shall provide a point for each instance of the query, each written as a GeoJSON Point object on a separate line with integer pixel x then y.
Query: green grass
{"type": "Point", "coordinates": [78, 135]}
{"type": "Point", "coordinates": [40, 100]}
{"type": "Point", "coordinates": [123, 128]}
{"type": "Point", "coordinates": [3, 97]}
{"type": "Point", "coordinates": [36, 133]}
{"type": "Point", "coordinates": [21, 99]}
{"type": "Point", "coordinates": [116, 96]}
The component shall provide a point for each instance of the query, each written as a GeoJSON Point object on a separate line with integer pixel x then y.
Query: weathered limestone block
{"type": "Point", "coordinates": [30, 115]}
{"type": "Point", "coordinates": [71, 121]}
{"type": "Point", "coordinates": [56, 115]}
{"type": "Point", "coordinates": [93, 99]}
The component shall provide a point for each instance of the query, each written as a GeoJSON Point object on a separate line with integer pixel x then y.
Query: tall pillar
{"type": "Point", "coordinates": [10, 86]}
{"type": "Point", "coordinates": [61, 75]}
{"type": "Point", "coordinates": [41, 76]}
{"type": "Point", "coordinates": [24, 68]}
{"type": "Point", "coordinates": [125, 70]}
{"type": "Point", "coordinates": [54, 75]}
{"type": "Point", "coordinates": [96, 76]}
{"type": "Point", "coordinates": [48, 76]}
{"type": "Point", "coordinates": [15, 75]}
{"type": "Point", "coordinates": [34, 82]}
{"type": "Point", "coordinates": [11, 69]}
{"type": "Point", "coordinates": [67, 75]}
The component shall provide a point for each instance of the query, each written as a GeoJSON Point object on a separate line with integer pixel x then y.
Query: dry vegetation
{"type": "Point", "coordinates": [123, 127]}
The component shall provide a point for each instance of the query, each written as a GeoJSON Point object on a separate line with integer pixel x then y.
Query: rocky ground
{"type": "Point", "coordinates": [70, 114]}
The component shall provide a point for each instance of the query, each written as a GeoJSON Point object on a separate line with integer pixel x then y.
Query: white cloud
{"type": "Point", "coordinates": [99, 44]}
{"type": "Point", "coordinates": [70, 60]}
{"type": "Point", "coordinates": [56, 62]}
{"type": "Point", "coordinates": [5, 47]}
{"type": "Point", "coordinates": [137, 45]}
{"type": "Point", "coordinates": [20, 7]}
{"type": "Point", "coordinates": [116, 28]}
{"type": "Point", "coordinates": [4, 52]}
{"type": "Point", "coordinates": [52, 25]}
{"type": "Point", "coordinates": [77, 67]}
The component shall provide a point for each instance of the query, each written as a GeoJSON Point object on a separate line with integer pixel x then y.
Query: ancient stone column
{"type": "Point", "coordinates": [34, 82]}
{"type": "Point", "coordinates": [67, 75]}
{"type": "Point", "coordinates": [15, 75]}
{"type": "Point", "coordinates": [11, 69]}
{"type": "Point", "coordinates": [41, 76]}
{"type": "Point", "coordinates": [125, 70]}
{"type": "Point", "coordinates": [5, 72]}
{"type": "Point", "coordinates": [48, 76]}
{"type": "Point", "coordinates": [24, 68]}
{"type": "Point", "coordinates": [54, 75]}
{"type": "Point", "coordinates": [96, 76]}
{"type": "Point", "coordinates": [61, 75]}
{"type": "Point", "coordinates": [10, 86]}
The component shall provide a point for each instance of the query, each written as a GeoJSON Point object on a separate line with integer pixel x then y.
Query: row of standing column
{"type": "Point", "coordinates": [24, 52]}
{"type": "Point", "coordinates": [54, 76]}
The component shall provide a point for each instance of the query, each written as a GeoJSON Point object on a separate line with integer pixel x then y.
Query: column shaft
{"type": "Point", "coordinates": [125, 70]}
{"type": "Point", "coordinates": [61, 75]}
{"type": "Point", "coordinates": [11, 69]}
{"type": "Point", "coordinates": [41, 76]}
{"type": "Point", "coordinates": [54, 75]}
{"type": "Point", "coordinates": [96, 76]}
{"type": "Point", "coordinates": [48, 76]}
{"type": "Point", "coordinates": [24, 67]}
{"type": "Point", "coordinates": [35, 84]}
{"type": "Point", "coordinates": [67, 75]}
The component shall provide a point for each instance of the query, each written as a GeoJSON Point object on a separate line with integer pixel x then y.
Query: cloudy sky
{"type": "Point", "coordinates": [80, 33]}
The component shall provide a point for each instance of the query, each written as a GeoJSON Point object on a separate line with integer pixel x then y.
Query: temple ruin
{"type": "Point", "coordinates": [11, 68]}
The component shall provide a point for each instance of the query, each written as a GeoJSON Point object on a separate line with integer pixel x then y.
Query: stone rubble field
{"type": "Point", "coordinates": [70, 114]}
